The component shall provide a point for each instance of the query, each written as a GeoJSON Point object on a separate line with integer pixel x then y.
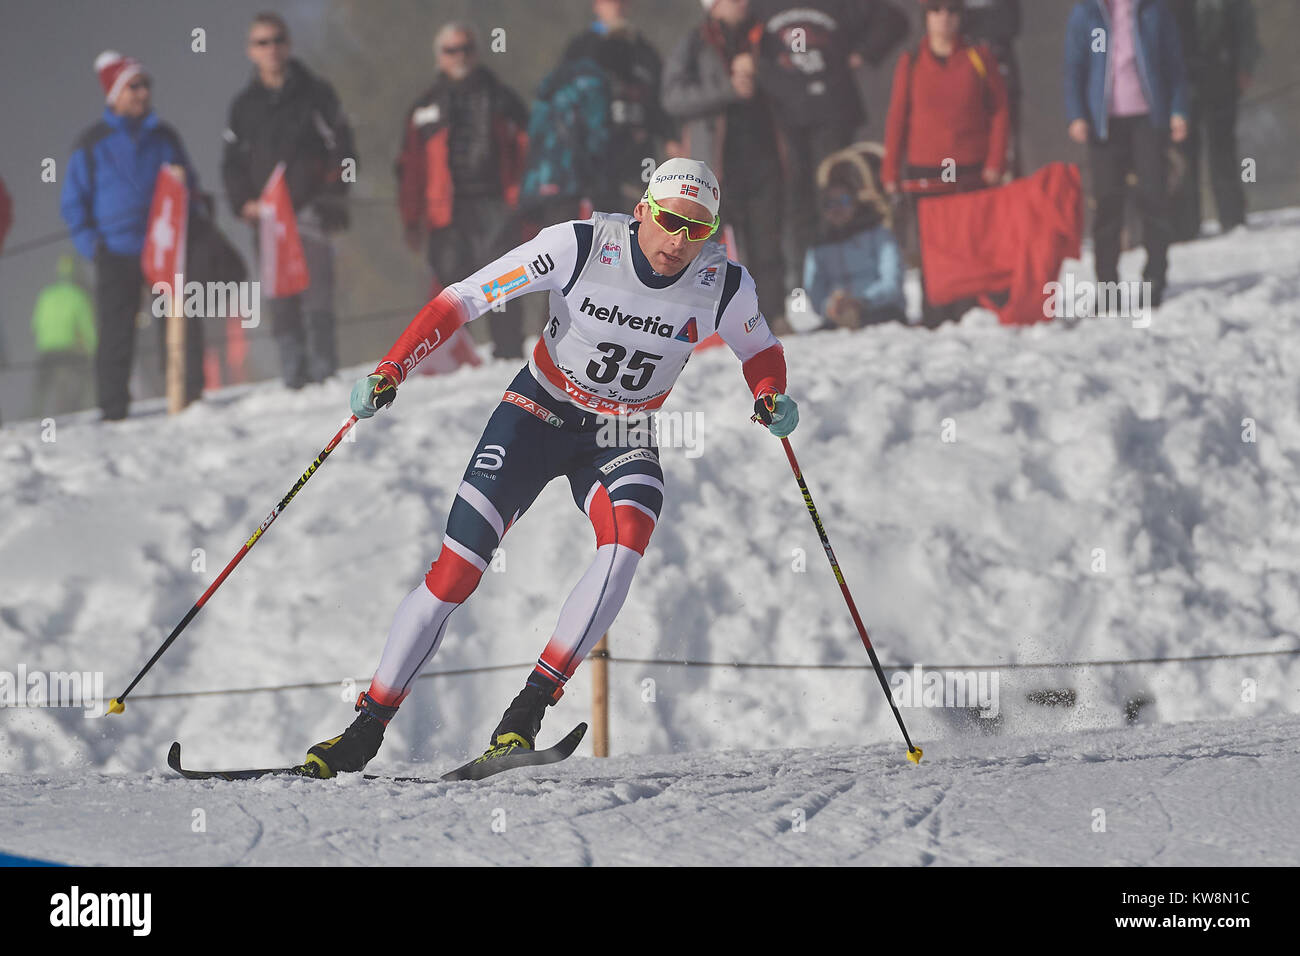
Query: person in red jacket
{"type": "Point", "coordinates": [948, 124]}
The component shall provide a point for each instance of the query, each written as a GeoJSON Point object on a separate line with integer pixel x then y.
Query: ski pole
{"type": "Point", "coordinates": [913, 752]}
{"type": "Point", "coordinates": [118, 703]}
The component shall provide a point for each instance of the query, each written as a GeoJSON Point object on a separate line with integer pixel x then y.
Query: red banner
{"type": "Point", "coordinates": [1012, 239]}
{"type": "Point", "coordinates": [163, 256]}
{"type": "Point", "coordinates": [284, 267]}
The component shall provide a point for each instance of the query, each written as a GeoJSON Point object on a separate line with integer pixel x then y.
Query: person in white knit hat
{"type": "Point", "coordinates": [630, 298]}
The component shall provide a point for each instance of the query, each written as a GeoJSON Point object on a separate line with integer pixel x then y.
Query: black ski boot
{"type": "Point", "coordinates": [523, 718]}
{"type": "Point", "coordinates": [351, 750]}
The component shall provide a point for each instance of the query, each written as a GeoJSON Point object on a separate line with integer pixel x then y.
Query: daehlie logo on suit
{"type": "Point", "coordinates": [541, 265]}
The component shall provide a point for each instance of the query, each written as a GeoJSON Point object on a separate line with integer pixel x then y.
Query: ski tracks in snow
{"type": "Point", "coordinates": [1186, 794]}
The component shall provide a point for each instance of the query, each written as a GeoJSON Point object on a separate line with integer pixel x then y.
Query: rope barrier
{"type": "Point", "coordinates": [738, 665]}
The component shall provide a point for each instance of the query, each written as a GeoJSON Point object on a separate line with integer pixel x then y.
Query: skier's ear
{"type": "Point", "coordinates": [641, 211]}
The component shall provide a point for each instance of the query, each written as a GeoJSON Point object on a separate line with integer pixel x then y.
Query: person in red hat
{"type": "Point", "coordinates": [107, 192]}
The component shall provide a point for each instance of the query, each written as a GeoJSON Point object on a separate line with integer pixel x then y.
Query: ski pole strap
{"type": "Point", "coordinates": [764, 408]}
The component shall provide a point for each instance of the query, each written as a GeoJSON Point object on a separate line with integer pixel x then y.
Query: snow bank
{"type": "Point", "coordinates": [1069, 443]}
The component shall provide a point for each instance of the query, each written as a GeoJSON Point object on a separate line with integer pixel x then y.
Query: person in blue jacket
{"type": "Point", "coordinates": [854, 274]}
{"type": "Point", "coordinates": [1126, 97]}
{"type": "Point", "coordinates": [107, 192]}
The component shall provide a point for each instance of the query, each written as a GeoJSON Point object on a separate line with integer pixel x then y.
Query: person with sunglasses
{"type": "Point", "coordinates": [459, 169]}
{"type": "Point", "coordinates": [107, 193]}
{"type": "Point", "coordinates": [630, 297]}
{"type": "Point", "coordinates": [288, 114]}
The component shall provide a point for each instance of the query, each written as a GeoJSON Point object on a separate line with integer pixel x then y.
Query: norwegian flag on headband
{"type": "Point", "coordinates": [284, 267]}
{"type": "Point", "coordinates": [163, 256]}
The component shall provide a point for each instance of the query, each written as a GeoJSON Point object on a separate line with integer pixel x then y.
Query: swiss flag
{"type": "Point", "coordinates": [163, 256]}
{"type": "Point", "coordinates": [284, 267]}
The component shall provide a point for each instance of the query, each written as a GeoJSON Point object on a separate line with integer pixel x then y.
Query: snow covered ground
{"type": "Point", "coordinates": [1099, 503]}
{"type": "Point", "coordinates": [1206, 794]}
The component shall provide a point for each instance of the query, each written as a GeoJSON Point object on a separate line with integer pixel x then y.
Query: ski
{"type": "Point", "coordinates": [476, 769]}
{"type": "Point", "coordinates": [174, 761]}
{"type": "Point", "coordinates": [486, 766]}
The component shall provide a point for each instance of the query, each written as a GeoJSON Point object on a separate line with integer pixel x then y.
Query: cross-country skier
{"type": "Point", "coordinates": [630, 296]}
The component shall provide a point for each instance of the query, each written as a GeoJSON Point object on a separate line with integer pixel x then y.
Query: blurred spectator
{"type": "Point", "coordinates": [63, 325]}
{"type": "Point", "coordinates": [638, 124]}
{"type": "Point", "coordinates": [107, 192]}
{"type": "Point", "coordinates": [947, 127]}
{"type": "Point", "coordinates": [996, 23]}
{"type": "Point", "coordinates": [727, 121]}
{"type": "Point", "coordinates": [1126, 98]}
{"type": "Point", "coordinates": [459, 171]}
{"type": "Point", "coordinates": [854, 274]}
{"type": "Point", "coordinates": [1221, 47]}
{"type": "Point", "coordinates": [288, 114]}
{"type": "Point", "coordinates": [568, 135]}
{"type": "Point", "coordinates": [809, 52]}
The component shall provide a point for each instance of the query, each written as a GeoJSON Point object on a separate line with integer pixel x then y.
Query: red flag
{"type": "Point", "coordinates": [284, 267]}
{"type": "Point", "coordinates": [6, 213]}
{"type": "Point", "coordinates": [163, 256]}
{"type": "Point", "coordinates": [1010, 239]}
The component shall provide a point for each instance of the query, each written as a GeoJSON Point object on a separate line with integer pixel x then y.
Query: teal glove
{"type": "Point", "coordinates": [371, 394]}
{"type": "Point", "coordinates": [778, 412]}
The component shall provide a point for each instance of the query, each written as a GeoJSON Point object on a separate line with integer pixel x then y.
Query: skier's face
{"type": "Point", "coordinates": [669, 255]}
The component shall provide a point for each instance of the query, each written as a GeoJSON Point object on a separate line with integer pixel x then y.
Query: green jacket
{"type": "Point", "coordinates": [64, 320]}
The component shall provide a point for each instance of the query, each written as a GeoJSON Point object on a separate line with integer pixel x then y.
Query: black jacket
{"type": "Point", "coordinates": [635, 72]}
{"type": "Point", "coordinates": [995, 22]}
{"type": "Point", "coordinates": [1220, 40]}
{"type": "Point", "coordinates": [301, 124]}
{"type": "Point", "coordinates": [807, 74]}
